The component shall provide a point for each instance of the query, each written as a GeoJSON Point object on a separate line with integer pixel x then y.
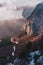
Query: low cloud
{"type": "Point", "coordinates": [9, 28]}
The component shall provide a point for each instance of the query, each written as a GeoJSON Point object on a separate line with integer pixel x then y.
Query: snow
{"type": "Point", "coordinates": [14, 48]}
{"type": "Point", "coordinates": [16, 41]}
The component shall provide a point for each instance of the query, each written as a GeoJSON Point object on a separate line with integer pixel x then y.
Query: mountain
{"type": "Point", "coordinates": [27, 11]}
{"type": "Point", "coordinates": [37, 17]}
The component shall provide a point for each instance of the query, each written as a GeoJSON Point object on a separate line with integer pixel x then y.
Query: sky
{"type": "Point", "coordinates": [8, 8]}
{"type": "Point", "coordinates": [27, 2]}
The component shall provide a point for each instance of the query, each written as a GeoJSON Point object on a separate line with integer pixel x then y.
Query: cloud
{"type": "Point", "coordinates": [27, 2]}
{"type": "Point", "coordinates": [9, 8]}
{"type": "Point", "coordinates": [10, 27]}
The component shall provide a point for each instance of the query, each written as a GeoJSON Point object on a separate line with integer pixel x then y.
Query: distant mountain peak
{"type": "Point", "coordinates": [37, 17]}
{"type": "Point", "coordinates": [41, 3]}
{"type": "Point", "coordinates": [37, 12]}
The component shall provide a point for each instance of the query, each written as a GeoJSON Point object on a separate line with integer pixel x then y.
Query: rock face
{"type": "Point", "coordinates": [28, 28]}
{"type": "Point", "coordinates": [37, 17]}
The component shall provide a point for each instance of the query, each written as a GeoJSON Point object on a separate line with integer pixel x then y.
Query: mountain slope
{"type": "Point", "coordinates": [37, 17]}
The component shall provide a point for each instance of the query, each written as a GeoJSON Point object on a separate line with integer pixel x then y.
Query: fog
{"type": "Point", "coordinates": [10, 27]}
